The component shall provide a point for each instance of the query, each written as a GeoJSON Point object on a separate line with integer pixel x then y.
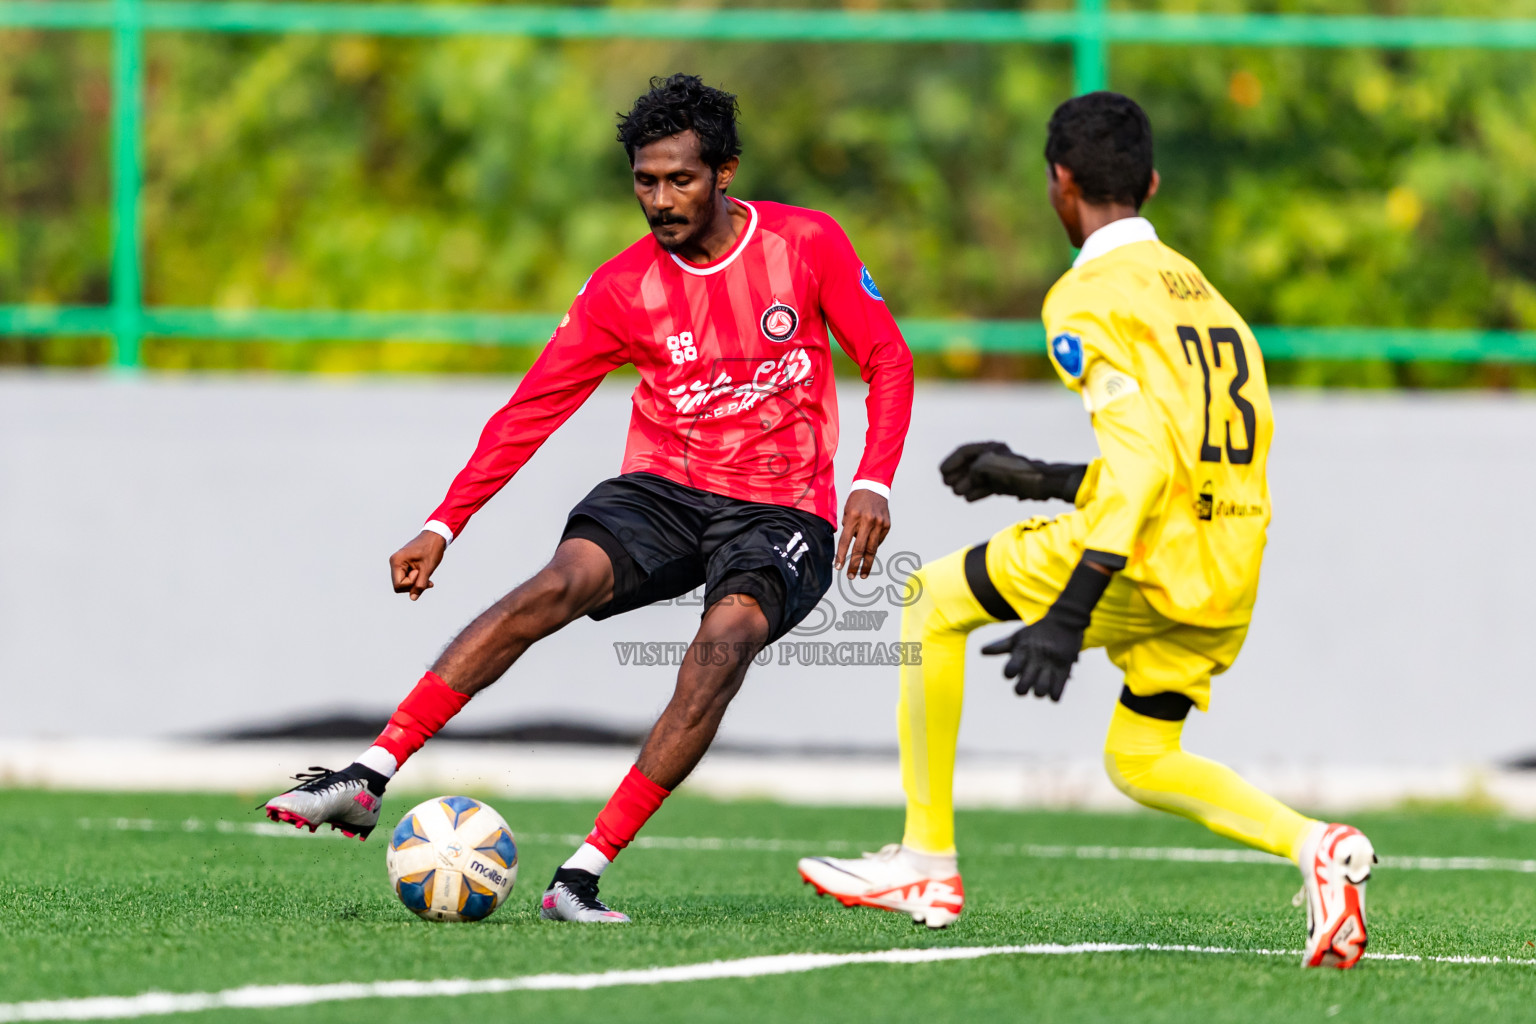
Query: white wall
{"type": "Point", "coordinates": [189, 555]}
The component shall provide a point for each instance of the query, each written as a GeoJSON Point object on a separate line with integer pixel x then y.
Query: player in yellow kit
{"type": "Point", "coordinates": [1158, 564]}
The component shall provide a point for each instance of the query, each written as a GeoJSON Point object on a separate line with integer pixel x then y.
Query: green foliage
{"type": "Point", "coordinates": [1315, 186]}
{"type": "Point", "coordinates": [1347, 186]}
{"type": "Point", "coordinates": [55, 95]}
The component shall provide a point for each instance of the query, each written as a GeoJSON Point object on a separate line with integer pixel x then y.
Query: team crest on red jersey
{"type": "Point", "coordinates": [779, 322]}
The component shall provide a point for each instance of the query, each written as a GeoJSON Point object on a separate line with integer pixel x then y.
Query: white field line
{"type": "Point", "coordinates": [253, 997]}
{"type": "Point", "coordinates": [1177, 854]}
{"type": "Point", "coordinates": [252, 828]}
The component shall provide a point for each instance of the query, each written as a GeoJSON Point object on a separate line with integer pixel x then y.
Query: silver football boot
{"type": "Point", "coordinates": [348, 800]}
{"type": "Point", "coordinates": [572, 896]}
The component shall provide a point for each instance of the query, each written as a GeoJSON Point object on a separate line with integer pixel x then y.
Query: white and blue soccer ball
{"type": "Point", "coordinates": [452, 858]}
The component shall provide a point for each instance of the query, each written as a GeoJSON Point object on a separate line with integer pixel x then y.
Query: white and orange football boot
{"type": "Point", "coordinates": [896, 879]}
{"type": "Point", "coordinates": [1335, 865]}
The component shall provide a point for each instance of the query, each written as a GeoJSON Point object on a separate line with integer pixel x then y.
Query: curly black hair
{"type": "Point", "coordinates": [677, 104]}
{"type": "Point", "coordinates": [1105, 140]}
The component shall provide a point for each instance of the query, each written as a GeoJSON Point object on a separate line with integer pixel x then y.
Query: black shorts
{"type": "Point", "coordinates": [665, 539]}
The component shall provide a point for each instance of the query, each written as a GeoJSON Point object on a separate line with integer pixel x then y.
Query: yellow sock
{"type": "Point", "coordinates": [928, 714]}
{"type": "Point", "coordinates": [1147, 764]}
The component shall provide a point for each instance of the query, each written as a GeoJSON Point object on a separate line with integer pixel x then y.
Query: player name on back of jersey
{"type": "Point", "coordinates": [1186, 285]}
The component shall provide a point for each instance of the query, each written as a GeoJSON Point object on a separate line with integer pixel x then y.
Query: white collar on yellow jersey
{"type": "Point", "coordinates": [1113, 235]}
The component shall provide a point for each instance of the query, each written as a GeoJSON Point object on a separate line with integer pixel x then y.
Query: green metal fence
{"type": "Point", "coordinates": [1089, 28]}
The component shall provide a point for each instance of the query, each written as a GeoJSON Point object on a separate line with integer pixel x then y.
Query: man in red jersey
{"type": "Point", "coordinates": [727, 309]}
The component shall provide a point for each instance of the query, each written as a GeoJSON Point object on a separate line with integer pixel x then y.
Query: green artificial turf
{"type": "Point", "coordinates": [119, 907]}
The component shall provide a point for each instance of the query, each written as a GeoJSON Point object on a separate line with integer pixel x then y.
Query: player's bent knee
{"type": "Point", "coordinates": [732, 634]}
{"type": "Point", "coordinates": [1137, 743]}
{"type": "Point", "coordinates": [737, 621]}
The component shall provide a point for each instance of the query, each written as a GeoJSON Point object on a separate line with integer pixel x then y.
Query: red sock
{"type": "Point", "coordinates": [425, 710]}
{"type": "Point", "coordinates": [630, 807]}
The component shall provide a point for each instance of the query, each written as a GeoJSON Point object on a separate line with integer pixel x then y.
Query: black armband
{"type": "Point", "coordinates": [1114, 563]}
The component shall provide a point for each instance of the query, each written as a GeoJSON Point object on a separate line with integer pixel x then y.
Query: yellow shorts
{"type": "Point", "coordinates": [1029, 564]}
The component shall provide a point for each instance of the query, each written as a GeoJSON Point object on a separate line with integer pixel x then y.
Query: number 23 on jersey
{"type": "Point", "coordinates": [1235, 446]}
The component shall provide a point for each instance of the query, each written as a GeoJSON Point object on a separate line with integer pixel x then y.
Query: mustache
{"type": "Point", "coordinates": [663, 219]}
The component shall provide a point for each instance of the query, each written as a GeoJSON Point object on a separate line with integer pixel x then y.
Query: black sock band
{"type": "Point", "coordinates": [1168, 707]}
{"type": "Point", "coordinates": [981, 585]}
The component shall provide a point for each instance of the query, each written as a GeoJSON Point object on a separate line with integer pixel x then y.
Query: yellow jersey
{"type": "Point", "coordinates": [1174, 383]}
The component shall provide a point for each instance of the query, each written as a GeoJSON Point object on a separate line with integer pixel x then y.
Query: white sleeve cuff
{"type": "Point", "coordinates": [441, 529]}
{"type": "Point", "coordinates": [870, 485]}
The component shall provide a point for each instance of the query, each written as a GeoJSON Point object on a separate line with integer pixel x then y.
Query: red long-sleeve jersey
{"type": "Point", "coordinates": [736, 393]}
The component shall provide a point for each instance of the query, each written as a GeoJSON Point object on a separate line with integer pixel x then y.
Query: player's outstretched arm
{"type": "Point", "coordinates": [984, 468]}
{"type": "Point", "coordinates": [413, 565]}
{"type": "Point", "coordinates": [1041, 655]}
{"type": "Point", "coordinates": [866, 521]}
{"type": "Point", "coordinates": [584, 348]}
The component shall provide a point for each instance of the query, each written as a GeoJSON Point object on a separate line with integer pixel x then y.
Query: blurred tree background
{"type": "Point", "coordinates": [1315, 187]}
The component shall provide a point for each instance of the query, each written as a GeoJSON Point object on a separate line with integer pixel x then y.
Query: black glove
{"type": "Point", "coordinates": [1042, 654]}
{"type": "Point", "coordinates": [956, 467]}
{"type": "Point", "coordinates": [978, 470]}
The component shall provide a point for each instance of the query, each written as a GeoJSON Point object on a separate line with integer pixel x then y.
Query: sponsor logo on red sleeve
{"type": "Point", "coordinates": [867, 282]}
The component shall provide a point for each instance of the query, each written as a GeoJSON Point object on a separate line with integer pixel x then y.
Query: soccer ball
{"type": "Point", "coordinates": [452, 858]}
